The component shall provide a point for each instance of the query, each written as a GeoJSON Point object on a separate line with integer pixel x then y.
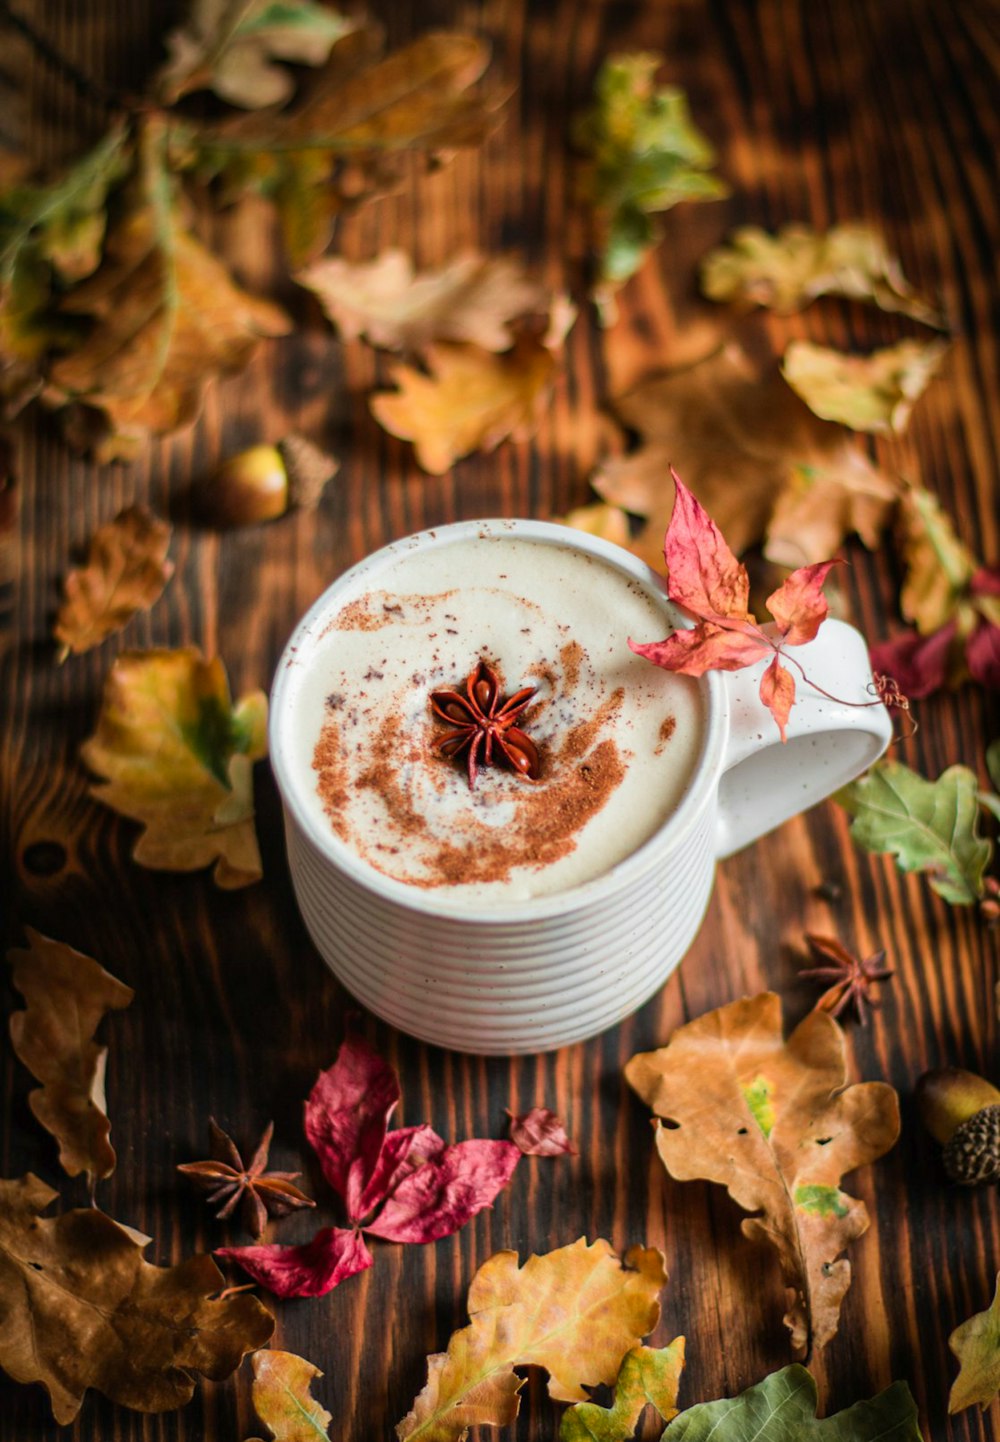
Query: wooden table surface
{"type": "Point", "coordinates": [822, 111]}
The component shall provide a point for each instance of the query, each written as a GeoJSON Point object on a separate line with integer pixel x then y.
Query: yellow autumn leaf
{"type": "Point", "coordinates": [282, 1400]}
{"type": "Point", "coordinates": [875, 392]}
{"type": "Point", "coordinates": [939, 567]}
{"type": "Point", "coordinates": [777, 1125]}
{"type": "Point", "coordinates": [575, 1311]}
{"type": "Point", "coordinates": [175, 754]}
{"type": "Point", "coordinates": [126, 571]}
{"type": "Point", "coordinates": [609, 523]}
{"type": "Point", "coordinates": [976, 1344]}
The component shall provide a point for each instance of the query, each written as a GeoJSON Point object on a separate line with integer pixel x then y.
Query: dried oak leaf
{"type": "Point", "coordinates": [540, 1133]}
{"type": "Point", "coordinates": [82, 1308]}
{"type": "Point", "coordinates": [754, 455]}
{"type": "Point", "coordinates": [575, 1311]}
{"type": "Point", "coordinates": [282, 1399]}
{"type": "Point", "coordinates": [229, 47]}
{"type": "Point", "coordinates": [782, 1408]}
{"type": "Point", "coordinates": [976, 1344]}
{"type": "Point", "coordinates": [777, 1125]}
{"type": "Point", "coordinates": [648, 1377]}
{"type": "Point", "coordinates": [929, 826]}
{"type": "Point", "coordinates": [166, 315]}
{"type": "Point", "coordinates": [788, 270]}
{"type": "Point", "coordinates": [473, 298]}
{"type": "Point", "coordinates": [174, 753]}
{"type": "Point", "coordinates": [126, 571]}
{"type": "Point", "coordinates": [875, 392]}
{"type": "Point", "coordinates": [67, 995]}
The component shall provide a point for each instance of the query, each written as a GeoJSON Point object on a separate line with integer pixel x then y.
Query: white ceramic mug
{"type": "Point", "coordinates": [533, 975]}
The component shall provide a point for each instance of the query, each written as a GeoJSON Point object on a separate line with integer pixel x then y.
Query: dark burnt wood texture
{"type": "Point", "coordinates": [822, 111]}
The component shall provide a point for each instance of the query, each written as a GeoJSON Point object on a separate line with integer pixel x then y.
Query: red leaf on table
{"type": "Point", "coordinates": [446, 1191]}
{"type": "Point", "coordinates": [540, 1133]}
{"type": "Point", "coordinates": [347, 1113]}
{"type": "Point", "coordinates": [983, 654]}
{"type": "Point", "coordinates": [402, 1152]}
{"type": "Point", "coordinates": [919, 664]}
{"type": "Point", "coordinates": [311, 1270]}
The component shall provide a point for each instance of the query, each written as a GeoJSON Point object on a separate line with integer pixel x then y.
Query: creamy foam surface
{"type": "Point", "coordinates": [619, 738]}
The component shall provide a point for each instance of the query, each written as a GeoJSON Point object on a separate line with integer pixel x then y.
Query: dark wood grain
{"type": "Point", "coordinates": [822, 111]}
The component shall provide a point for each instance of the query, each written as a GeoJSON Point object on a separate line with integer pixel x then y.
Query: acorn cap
{"type": "Point", "coordinates": [308, 469]}
{"type": "Point", "coordinates": [973, 1154]}
{"type": "Point", "coordinates": [949, 1097]}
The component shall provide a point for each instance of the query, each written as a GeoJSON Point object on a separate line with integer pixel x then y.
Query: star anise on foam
{"type": "Point", "coordinates": [852, 978]}
{"type": "Point", "coordinates": [482, 720]}
{"type": "Point", "coordinates": [263, 1194]}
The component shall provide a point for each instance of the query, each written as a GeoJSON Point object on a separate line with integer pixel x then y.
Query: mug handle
{"type": "Point", "coordinates": [764, 782]}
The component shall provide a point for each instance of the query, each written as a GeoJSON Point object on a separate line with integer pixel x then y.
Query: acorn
{"type": "Point", "coordinates": [264, 482]}
{"type": "Point", "coordinates": [962, 1112]}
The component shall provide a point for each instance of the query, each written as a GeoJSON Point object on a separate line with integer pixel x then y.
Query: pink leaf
{"type": "Point", "coordinates": [443, 1193]}
{"type": "Point", "coordinates": [540, 1133]}
{"type": "Point", "coordinates": [983, 654]}
{"type": "Point", "coordinates": [707, 647]}
{"type": "Point", "coordinates": [704, 575]}
{"type": "Point", "coordinates": [404, 1150]}
{"type": "Point", "coordinates": [346, 1117]}
{"type": "Point", "coordinates": [985, 582]}
{"type": "Point", "coordinates": [918, 664]}
{"type": "Point", "coordinates": [312, 1270]}
{"type": "Point", "coordinates": [799, 606]}
{"type": "Point", "coordinates": [777, 693]}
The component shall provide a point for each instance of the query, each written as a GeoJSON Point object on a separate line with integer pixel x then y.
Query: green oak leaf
{"type": "Point", "coordinates": [782, 1408]}
{"type": "Point", "coordinates": [648, 1375]}
{"type": "Point", "coordinates": [929, 826]}
{"type": "Point", "coordinates": [976, 1344]}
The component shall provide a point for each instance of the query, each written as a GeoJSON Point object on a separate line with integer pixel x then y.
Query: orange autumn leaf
{"type": "Point", "coordinates": [126, 571]}
{"type": "Point", "coordinates": [776, 1123]}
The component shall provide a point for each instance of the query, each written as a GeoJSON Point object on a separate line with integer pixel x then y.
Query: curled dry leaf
{"type": "Point", "coordinates": [976, 1344]}
{"type": "Point", "coordinates": [175, 754]}
{"type": "Point", "coordinates": [67, 996]}
{"type": "Point", "coordinates": [282, 1399]}
{"type": "Point", "coordinates": [82, 1308]}
{"type": "Point", "coordinates": [929, 826]}
{"type": "Point", "coordinates": [788, 270]}
{"type": "Point", "coordinates": [473, 298]}
{"type": "Point", "coordinates": [777, 1125]}
{"type": "Point", "coordinates": [755, 456]}
{"type": "Point", "coordinates": [876, 392]}
{"type": "Point", "coordinates": [126, 571]}
{"type": "Point", "coordinates": [576, 1312]}
{"type": "Point", "coordinates": [782, 1408]}
{"type": "Point", "coordinates": [540, 1133]}
{"type": "Point", "coordinates": [229, 47]}
{"type": "Point", "coordinates": [648, 1377]}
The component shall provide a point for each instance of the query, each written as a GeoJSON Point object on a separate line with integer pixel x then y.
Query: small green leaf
{"type": "Point", "coordinates": [758, 1099]}
{"type": "Point", "coordinates": [991, 799]}
{"type": "Point", "coordinates": [821, 1201]}
{"type": "Point", "coordinates": [647, 1376]}
{"type": "Point", "coordinates": [782, 1408]}
{"type": "Point", "coordinates": [929, 826]}
{"type": "Point", "coordinates": [873, 392]}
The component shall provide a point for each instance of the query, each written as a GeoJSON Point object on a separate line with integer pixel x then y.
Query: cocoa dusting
{"type": "Point", "coordinates": [572, 657]}
{"type": "Point", "coordinates": [667, 728]}
{"type": "Point", "coordinates": [333, 783]}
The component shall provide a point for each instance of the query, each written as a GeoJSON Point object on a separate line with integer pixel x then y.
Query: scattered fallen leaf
{"type": "Point", "coordinates": [976, 1344]}
{"type": "Point", "coordinates": [576, 1312]}
{"type": "Point", "coordinates": [229, 46]}
{"type": "Point", "coordinates": [67, 995]}
{"type": "Point", "coordinates": [802, 485]}
{"type": "Point", "coordinates": [875, 392]}
{"type": "Point", "coordinates": [782, 1408]}
{"type": "Point", "coordinates": [776, 1123]}
{"type": "Point", "coordinates": [646, 155]}
{"type": "Point", "coordinates": [174, 753]}
{"type": "Point", "coordinates": [473, 298]}
{"type": "Point", "coordinates": [929, 826]}
{"type": "Point", "coordinates": [648, 1377]}
{"type": "Point", "coordinates": [126, 571]}
{"type": "Point", "coordinates": [706, 579]}
{"type": "Point", "coordinates": [788, 270]}
{"type": "Point", "coordinates": [540, 1133]}
{"type": "Point", "coordinates": [83, 1309]}
{"type": "Point", "coordinates": [471, 400]}
{"type": "Point", "coordinates": [421, 1188]}
{"type": "Point", "coordinates": [282, 1400]}
{"type": "Point", "coordinates": [610, 523]}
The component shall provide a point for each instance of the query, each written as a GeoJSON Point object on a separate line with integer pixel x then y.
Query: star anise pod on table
{"type": "Point", "coordinates": [482, 719]}
{"type": "Point", "coordinates": [852, 978]}
{"type": "Point", "coordinates": [262, 1194]}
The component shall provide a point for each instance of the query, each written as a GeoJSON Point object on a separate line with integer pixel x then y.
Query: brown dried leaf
{"type": "Point", "coordinates": [576, 1311]}
{"type": "Point", "coordinates": [281, 1397]}
{"type": "Point", "coordinates": [473, 298]}
{"type": "Point", "coordinates": [81, 1309]}
{"type": "Point", "coordinates": [67, 995]}
{"type": "Point", "coordinates": [126, 571]}
{"type": "Point", "coordinates": [875, 392]}
{"type": "Point", "coordinates": [777, 1125]}
{"type": "Point", "coordinates": [756, 458]}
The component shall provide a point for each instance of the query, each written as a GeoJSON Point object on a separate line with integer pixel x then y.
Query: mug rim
{"type": "Point", "coordinates": [439, 903]}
